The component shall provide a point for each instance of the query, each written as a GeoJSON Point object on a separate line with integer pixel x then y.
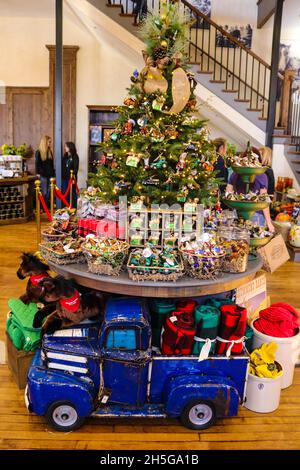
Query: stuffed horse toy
{"type": "Point", "coordinates": [34, 267]}
{"type": "Point", "coordinates": [71, 306]}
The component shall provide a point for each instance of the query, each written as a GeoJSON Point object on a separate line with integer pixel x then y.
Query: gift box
{"type": "Point", "coordinates": [102, 228]}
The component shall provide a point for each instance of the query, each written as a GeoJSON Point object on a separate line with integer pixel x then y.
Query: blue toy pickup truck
{"type": "Point", "coordinates": [112, 371]}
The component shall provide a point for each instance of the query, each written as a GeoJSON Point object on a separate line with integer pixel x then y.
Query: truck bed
{"type": "Point", "coordinates": [164, 367]}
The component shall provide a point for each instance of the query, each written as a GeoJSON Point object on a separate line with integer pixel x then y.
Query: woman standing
{"type": "Point", "coordinates": [44, 166]}
{"type": "Point", "coordinates": [266, 160]}
{"type": "Point", "coordinates": [70, 162]}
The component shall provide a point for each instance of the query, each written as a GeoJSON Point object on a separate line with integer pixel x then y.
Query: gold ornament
{"type": "Point", "coordinates": [164, 43]}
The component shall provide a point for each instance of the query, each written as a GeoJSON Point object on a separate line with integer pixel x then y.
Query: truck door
{"type": "Point", "coordinates": [125, 366]}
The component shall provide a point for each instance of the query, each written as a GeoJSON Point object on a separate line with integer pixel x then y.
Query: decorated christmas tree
{"type": "Point", "coordinates": [159, 151]}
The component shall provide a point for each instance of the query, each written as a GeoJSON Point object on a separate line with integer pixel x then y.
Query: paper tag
{"type": "Point", "coordinates": [104, 399]}
{"type": "Point", "coordinates": [173, 319]}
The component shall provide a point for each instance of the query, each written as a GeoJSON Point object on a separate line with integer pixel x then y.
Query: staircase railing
{"type": "Point", "coordinates": [216, 51]}
{"type": "Point", "coordinates": [293, 128]}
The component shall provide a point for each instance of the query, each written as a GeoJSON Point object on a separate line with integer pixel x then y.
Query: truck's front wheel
{"type": "Point", "coordinates": [62, 416]}
{"type": "Point", "coordinates": [198, 415]}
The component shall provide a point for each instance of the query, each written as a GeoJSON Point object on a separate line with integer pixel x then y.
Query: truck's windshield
{"type": "Point", "coordinates": [121, 339]}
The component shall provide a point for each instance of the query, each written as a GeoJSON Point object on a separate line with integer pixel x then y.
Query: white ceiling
{"type": "Point", "coordinates": [27, 8]}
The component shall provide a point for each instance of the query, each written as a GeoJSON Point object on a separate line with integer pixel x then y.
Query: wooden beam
{"type": "Point", "coordinates": [265, 9]}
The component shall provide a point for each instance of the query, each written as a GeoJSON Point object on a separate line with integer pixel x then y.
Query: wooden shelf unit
{"type": "Point", "coordinates": [100, 118]}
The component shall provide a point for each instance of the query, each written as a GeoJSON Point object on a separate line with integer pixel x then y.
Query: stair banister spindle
{"type": "Point", "coordinates": [208, 50]}
{"type": "Point", "coordinates": [264, 114]}
{"type": "Point", "coordinates": [258, 84]}
{"type": "Point", "coordinates": [221, 62]}
{"type": "Point", "coordinates": [240, 71]}
{"type": "Point", "coordinates": [233, 68]}
{"type": "Point", "coordinates": [252, 78]}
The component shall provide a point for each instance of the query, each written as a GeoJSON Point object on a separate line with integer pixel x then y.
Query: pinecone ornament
{"type": "Point", "coordinates": [159, 52]}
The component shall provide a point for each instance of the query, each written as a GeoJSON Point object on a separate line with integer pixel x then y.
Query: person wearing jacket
{"type": "Point", "coordinates": [266, 160]}
{"type": "Point", "coordinates": [44, 166]}
{"type": "Point", "coordinates": [70, 161]}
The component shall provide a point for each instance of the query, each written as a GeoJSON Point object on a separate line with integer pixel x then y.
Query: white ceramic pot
{"type": "Point", "coordinates": [294, 236]}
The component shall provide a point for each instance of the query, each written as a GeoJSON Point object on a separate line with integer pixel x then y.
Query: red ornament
{"type": "Point", "coordinates": [128, 128]}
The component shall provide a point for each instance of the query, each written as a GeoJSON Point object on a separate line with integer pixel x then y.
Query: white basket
{"type": "Point", "coordinates": [287, 353]}
{"type": "Point", "coordinates": [262, 393]}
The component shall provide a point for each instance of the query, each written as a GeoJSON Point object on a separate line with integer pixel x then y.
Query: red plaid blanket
{"type": "Point", "coordinates": [232, 327]}
{"type": "Point", "coordinates": [101, 228]}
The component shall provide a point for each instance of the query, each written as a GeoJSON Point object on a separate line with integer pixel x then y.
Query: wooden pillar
{"type": "Point", "coordinates": [58, 90]}
{"type": "Point", "coordinates": [274, 73]}
{"type": "Point", "coordinates": [287, 82]}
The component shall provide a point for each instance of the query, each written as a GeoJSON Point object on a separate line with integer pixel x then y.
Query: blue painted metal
{"type": "Point", "coordinates": [69, 369]}
{"type": "Point", "coordinates": [220, 391]}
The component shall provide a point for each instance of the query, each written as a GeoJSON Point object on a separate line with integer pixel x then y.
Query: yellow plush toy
{"type": "Point", "coordinates": [262, 361]}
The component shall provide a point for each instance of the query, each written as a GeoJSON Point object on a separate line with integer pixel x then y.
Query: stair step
{"type": "Point", "coordinates": [114, 5]}
{"type": "Point", "coordinates": [230, 91]}
{"type": "Point", "coordinates": [258, 110]}
{"type": "Point", "coordinates": [279, 128]}
{"type": "Point", "coordinates": [128, 15]}
{"type": "Point", "coordinates": [238, 100]}
{"type": "Point", "coordinates": [280, 136]}
{"type": "Point", "coordinates": [217, 81]}
{"type": "Point", "coordinates": [297, 162]}
{"type": "Point", "coordinates": [262, 119]}
{"type": "Point", "coordinates": [295, 152]}
{"type": "Point", "coordinates": [205, 72]}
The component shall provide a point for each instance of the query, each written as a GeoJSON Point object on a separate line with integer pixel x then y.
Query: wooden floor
{"type": "Point", "coordinates": [19, 430]}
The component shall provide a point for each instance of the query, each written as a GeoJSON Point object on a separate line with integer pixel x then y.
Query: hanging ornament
{"type": "Point", "coordinates": [114, 136]}
{"type": "Point", "coordinates": [128, 127]}
{"type": "Point", "coordinates": [172, 133]}
{"type": "Point", "coordinates": [181, 90]}
{"type": "Point", "coordinates": [129, 102]}
{"type": "Point", "coordinates": [144, 130]}
{"type": "Point", "coordinates": [132, 160]}
{"type": "Point", "coordinates": [161, 51]}
{"type": "Point", "coordinates": [146, 163]}
{"type": "Point", "coordinates": [181, 164]}
{"type": "Point", "coordinates": [151, 182]}
{"type": "Point", "coordinates": [142, 121]}
{"type": "Point", "coordinates": [155, 81]}
{"type": "Point", "coordinates": [208, 167]}
{"type": "Point", "coordinates": [159, 162]}
{"type": "Point", "coordinates": [122, 185]}
{"type": "Point", "coordinates": [135, 73]}
{"type": "Point", "coordinates": [156, 136]}
{"type": "Point", "coordinates": [190, 146]}
{"type": "Point", "coordinates": [158, 103]}
{"type": "Point", "coordinates": [192, 104]}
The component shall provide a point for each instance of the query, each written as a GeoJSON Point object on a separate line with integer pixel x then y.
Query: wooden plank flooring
{"type": "Point", "coordinates": [19, 430]}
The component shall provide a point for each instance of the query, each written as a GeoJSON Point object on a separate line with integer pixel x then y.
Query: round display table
{"type": "Point", "coordinates": [184, 287]}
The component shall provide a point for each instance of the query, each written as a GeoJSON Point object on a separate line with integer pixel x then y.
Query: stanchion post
{"type": "Point", "coordinates": [71, 188]}
{"type": "Point", "coordinates": [38, 211]}
{"type": "Point", "coordinates": [52, 187]}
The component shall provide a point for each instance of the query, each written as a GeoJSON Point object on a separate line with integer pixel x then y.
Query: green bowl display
{"type": "Point", "coordinates": [259, 242]}
{"type": "Point", "coordinates": [246, 209]}
{"type": "Point", "coordinates": [248, 174]}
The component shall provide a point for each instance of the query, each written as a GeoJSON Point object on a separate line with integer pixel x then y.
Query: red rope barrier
{"type": "Point", "coordinates": [45, 207]}
{"type": "Point", "coordinates": [68, 188]}
{"type": "Point", "coordinates": [61, 197]}
{"type": "Point", "coordinates": [76, 186]}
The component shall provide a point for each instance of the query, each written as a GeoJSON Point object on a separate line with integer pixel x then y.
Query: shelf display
{"type": "Point", "coordinates": [16, 199]}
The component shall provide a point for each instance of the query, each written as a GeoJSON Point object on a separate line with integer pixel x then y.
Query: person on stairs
{"type": "Point", "coordinates": [70, 161]}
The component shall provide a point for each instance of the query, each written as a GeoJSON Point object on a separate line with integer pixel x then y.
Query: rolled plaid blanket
{"type": "Point", "coordinates": [232, 329]}
{"type": "Point", "coordinates": [214, 302]}
{"type": "Point", "coordinates": [207, 321]}
{"type": "Point", "coordinates": [178, 334]}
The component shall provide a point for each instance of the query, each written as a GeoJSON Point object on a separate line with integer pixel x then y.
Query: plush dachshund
{"type": "Point", "coordinates": [71, 306]}
{"type": "Point", "coordinates": [36, 269]}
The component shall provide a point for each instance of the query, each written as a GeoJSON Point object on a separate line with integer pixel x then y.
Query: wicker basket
{"type": "Point", "coordinates": [107, 264]}
{"type": "Point", "coordinates": [203, 267]}
{"type": "Point", "coordinates": [60, 258]}
{"type": "Point", "coordinates": [155, 273]}
{"type": "Point", "coordinates": [52, 237]}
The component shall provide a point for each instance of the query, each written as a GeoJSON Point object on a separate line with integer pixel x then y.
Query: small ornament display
{"type": "Point", "coordinates": [137, 222]}
{"type": "Point", "coordinates": [154, 239]}
{"type": "Point", "coordinates": [105, 255]}
{"type": "Point", "coordinates": [155, 264]}
{"type": "Point", "coordinates": [64, 224]}
{"type": "Point", "coordinates": [132, 160]}
{"type": "Point", "coordinates": [136, 239]}
{"type": "Point", "coordinates": [203, 258]}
